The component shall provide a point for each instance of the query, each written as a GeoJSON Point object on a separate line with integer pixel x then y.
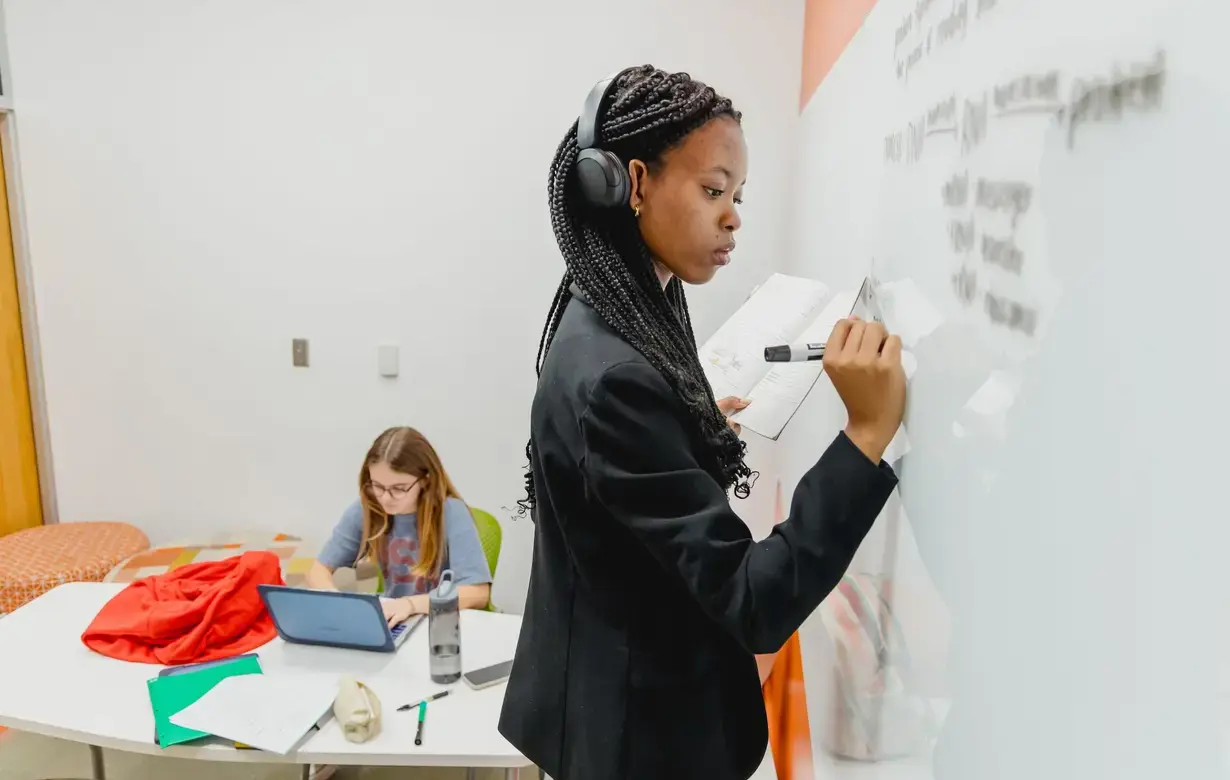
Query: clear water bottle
{"type": "Point", "coordinates": [444, 630]}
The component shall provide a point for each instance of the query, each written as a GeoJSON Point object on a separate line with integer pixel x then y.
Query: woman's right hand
{"type": "Point", "coordinates": [864, 363]}
{"type": "Point", "coordinates": [397, 610]}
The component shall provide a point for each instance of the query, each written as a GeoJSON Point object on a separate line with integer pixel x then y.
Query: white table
{"type": "Point", "coordinates": [52, 684]}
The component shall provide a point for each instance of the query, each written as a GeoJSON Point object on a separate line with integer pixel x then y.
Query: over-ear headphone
{"type": "Point", "coordinates": [602, 176]}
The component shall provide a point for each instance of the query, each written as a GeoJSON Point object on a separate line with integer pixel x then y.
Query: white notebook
{"type": "Point", "coordinates": [783, 310]}
{"type": "Point", "coordinates": [272, 712]}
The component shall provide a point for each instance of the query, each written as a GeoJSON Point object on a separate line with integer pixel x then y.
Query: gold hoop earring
{"type": "Point", "coordinates": [636, 211]}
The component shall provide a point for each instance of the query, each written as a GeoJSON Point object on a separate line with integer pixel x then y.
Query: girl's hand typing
{"type": "Point", "coordinates": [397, 610]}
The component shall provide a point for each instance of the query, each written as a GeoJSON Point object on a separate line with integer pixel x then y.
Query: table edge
{"type": "Point", "coordinates": [224, 754]}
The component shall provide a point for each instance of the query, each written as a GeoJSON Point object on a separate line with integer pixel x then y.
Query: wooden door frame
{"type": "Point", "coordinates": [29, 318]}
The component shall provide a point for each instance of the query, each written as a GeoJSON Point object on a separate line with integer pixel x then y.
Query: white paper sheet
{"type": "Point", "coordinates": [271, 712]}
{"type": "Point", "coordinates": [784, 386]}
{"type": "Point", "coordinates": [778, 311]}
{"type": "Point", "coordinates": [908, 312]}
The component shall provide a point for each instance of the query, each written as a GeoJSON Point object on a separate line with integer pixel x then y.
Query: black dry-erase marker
{"type": "Point", "coordinates": [433, 697]}
{"type": "Point", "coordinates": [797, 353]}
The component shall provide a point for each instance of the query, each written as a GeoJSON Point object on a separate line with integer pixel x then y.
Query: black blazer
{"type": "Point", "coordinates": [647, 595]}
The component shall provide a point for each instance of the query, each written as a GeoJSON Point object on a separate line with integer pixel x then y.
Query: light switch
{"type": "Point", "coordinates": [299, 353]}
{"type": "Point", "coordinates": [387, 360]}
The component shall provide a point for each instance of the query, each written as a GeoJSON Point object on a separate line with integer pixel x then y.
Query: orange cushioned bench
{"type": "Point", "coordinates": [35, 560]}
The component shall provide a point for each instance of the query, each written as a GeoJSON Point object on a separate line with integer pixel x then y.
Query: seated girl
{"type": "Point", "coordinates": [411, 522]}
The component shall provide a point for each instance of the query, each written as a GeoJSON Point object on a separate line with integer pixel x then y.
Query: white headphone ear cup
{"type": "Point", "coordinates": [603, 178]}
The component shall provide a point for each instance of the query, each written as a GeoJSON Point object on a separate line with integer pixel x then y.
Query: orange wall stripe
{"type": "Point", "coordinates": [828, 27]}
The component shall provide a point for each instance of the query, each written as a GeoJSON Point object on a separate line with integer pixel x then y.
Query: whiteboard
{"type": "Point", "coordinates": [1040, 189]}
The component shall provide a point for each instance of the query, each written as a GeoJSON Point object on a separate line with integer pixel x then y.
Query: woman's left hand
{"type": "Point", "coordinates": [728, 406]}
{"type": "Point", "coordinates": [397, 610]}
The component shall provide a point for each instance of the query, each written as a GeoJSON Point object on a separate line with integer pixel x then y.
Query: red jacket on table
{"type": "Point", "coordinates": [199, 612]}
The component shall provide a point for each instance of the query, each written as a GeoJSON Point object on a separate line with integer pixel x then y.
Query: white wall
{"type": "Point", "coordinates": [205, 180]}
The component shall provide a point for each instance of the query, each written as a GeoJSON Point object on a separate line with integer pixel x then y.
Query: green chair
{"type": "Point", "coordinates": [490, 536]}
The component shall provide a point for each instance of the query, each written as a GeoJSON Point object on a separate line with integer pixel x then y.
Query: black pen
{"type": "Point", "coordinates": [412, 705]}
{"type": "Point", "coordinates": [798, 353]}
{"type": "Point", "coordinates": [418, 735]}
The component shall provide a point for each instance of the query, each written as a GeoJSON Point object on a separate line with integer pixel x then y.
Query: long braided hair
{"type": "Point", "coordinates": [650, 112]}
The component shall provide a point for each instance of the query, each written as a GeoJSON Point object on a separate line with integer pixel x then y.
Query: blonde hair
{"type": "Point", "coordinates": [407, 451]}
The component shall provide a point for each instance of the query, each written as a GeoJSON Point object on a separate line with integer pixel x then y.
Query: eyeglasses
{"type": "Point", "coordinates": [393, 491]}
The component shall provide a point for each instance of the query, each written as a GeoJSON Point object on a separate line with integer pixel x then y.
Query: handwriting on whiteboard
{"type": "Point", "coordinates": [969, 238]}
{"type": "Point", "coordinates": [984, 206]}
{"type": "Point", "coordinates": [918, 34]}
{"type": "Point", "coordinates": [1111, 98]}
{"type": "Point", "coordinates": [1136, 88]}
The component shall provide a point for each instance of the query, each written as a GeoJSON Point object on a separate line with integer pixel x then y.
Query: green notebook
{"type": "Point", "coordinates": [170, 694]}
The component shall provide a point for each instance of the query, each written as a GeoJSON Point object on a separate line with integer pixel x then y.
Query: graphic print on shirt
{"type": "Point", "coordinates": [402, 556]}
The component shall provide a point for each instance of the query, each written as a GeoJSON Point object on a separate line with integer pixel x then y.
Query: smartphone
{"type": "Point", "coordinates": [488, 675]}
